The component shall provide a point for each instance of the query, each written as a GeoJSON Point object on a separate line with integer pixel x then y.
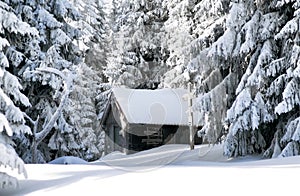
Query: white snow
{"type": "Point", "coordinates": [67, 160]}
{"type": "Point", "coordinates": [163, 106]}
{"type": "Point", "coordinates": [167, 170]}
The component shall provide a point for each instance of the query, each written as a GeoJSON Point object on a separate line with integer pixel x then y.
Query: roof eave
{"type": "Point", "coordinates": [106, 111]}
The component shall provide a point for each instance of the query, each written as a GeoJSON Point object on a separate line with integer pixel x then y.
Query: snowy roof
{"type": "Point", "coordinates": [163, 106]}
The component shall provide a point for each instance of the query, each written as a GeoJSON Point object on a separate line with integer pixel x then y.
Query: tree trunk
{"type": "Point", "coordinates": [34, 143]}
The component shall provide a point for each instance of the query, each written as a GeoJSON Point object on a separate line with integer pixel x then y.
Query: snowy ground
{"type": "Point", "coordinates": [168, 170]}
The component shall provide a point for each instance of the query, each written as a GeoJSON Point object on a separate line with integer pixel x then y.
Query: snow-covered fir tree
{"type": "Point", "coordinates": [192, 26]}
{"type": "Point", "coordinates": [98, 47]}
{"type": "Point", "coordinates": [250, 28]}
{"type": "Point", "coordinates": [82, 112]}
{"type": "Point", "coordinates": [48, 76]}
{"type": "Point", "coordinates": [178, 30]}
{"type": "Point", "coordinates": [51, 61]}
{"type": "Point", "coordinates": [93, 90]}
{"type": "Point", "coordinates": [137, 57]}
{"type": "Point", "coordinates": [260, 46]}
{"type": "Point", "coordinates": [15, 36]}
{"type": "Point", "coordinates": [283, 93]}
{"type": "Point", "coordinates": [94, 28]}
{"type": "Point", "coordinates": [242, 57]}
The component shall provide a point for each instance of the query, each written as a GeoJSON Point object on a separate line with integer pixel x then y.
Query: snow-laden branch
{"type": "Point", "coordinates": [53, 71]}
{"type": "Point", "coordinates": [68, 78]}
{"type": "Point", "coordinates": [41, 135]}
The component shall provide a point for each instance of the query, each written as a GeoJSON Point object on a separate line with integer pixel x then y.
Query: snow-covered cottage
{"type": "Point", "coordinates": [136, 120]}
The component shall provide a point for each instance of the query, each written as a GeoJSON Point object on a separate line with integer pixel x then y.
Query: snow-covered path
{"type": "Point", "coordinates": [169, 170]}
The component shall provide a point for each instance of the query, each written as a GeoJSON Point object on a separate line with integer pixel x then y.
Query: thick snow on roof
{"type": "Point", "coordinates": [157, 107]}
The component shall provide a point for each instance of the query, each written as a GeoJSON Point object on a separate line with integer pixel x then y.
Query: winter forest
{"type": "Point", "coordinates": [60, 58]}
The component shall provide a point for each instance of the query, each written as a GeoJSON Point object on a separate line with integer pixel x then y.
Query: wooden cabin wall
{"type": "Point", "coordinates": [141, 137]}
{"type": "Point", "coordinates": [114, 141]}
{"type": "Point", "coordinates": [182, 135]}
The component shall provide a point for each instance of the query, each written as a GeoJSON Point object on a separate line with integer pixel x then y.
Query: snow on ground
{"type": "Point", "coordinates": [167, 170]}
{"type": "Point", "coordinates": [67, 160]}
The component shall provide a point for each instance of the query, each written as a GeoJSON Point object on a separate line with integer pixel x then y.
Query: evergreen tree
{"type": "Point", "coordinates": [88, 85]}
{"type": "Point", "coordinates": [15, 36]}
{"type": "Point", "coordinates": [52, 60]}
{"type": "Point", "coordinates": [94, 28]}
{"type": "Point", "coordinates": [191, 28]}
{"type": "Point", "coordinates": [250, 27]}
{"type": "Point", "coordinates": [266, 105]}
{"type": "Point", "coordinates": [283, 92]}
{"type": "Point", "coordinates": [82, 113]}
{"type": "Point", "coordinates": [49, 77]}
{"type": "Point", "coordinates": [179, 36]}
{"type": "Point", "coordinates": [137, 58]}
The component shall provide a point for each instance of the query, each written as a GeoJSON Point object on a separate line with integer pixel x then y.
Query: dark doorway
{"type": "Point", "coordinates": [168, 132]}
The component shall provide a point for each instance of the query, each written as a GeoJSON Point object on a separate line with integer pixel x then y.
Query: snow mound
{"type": "Point", "coordinates": [68, 160]}
{"type": "Point", "coordinates": [113, 155]}
{"type": "Point", "coordinates": [176, 154]}
{"type": "Point", "coordinates": [154, 157]}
